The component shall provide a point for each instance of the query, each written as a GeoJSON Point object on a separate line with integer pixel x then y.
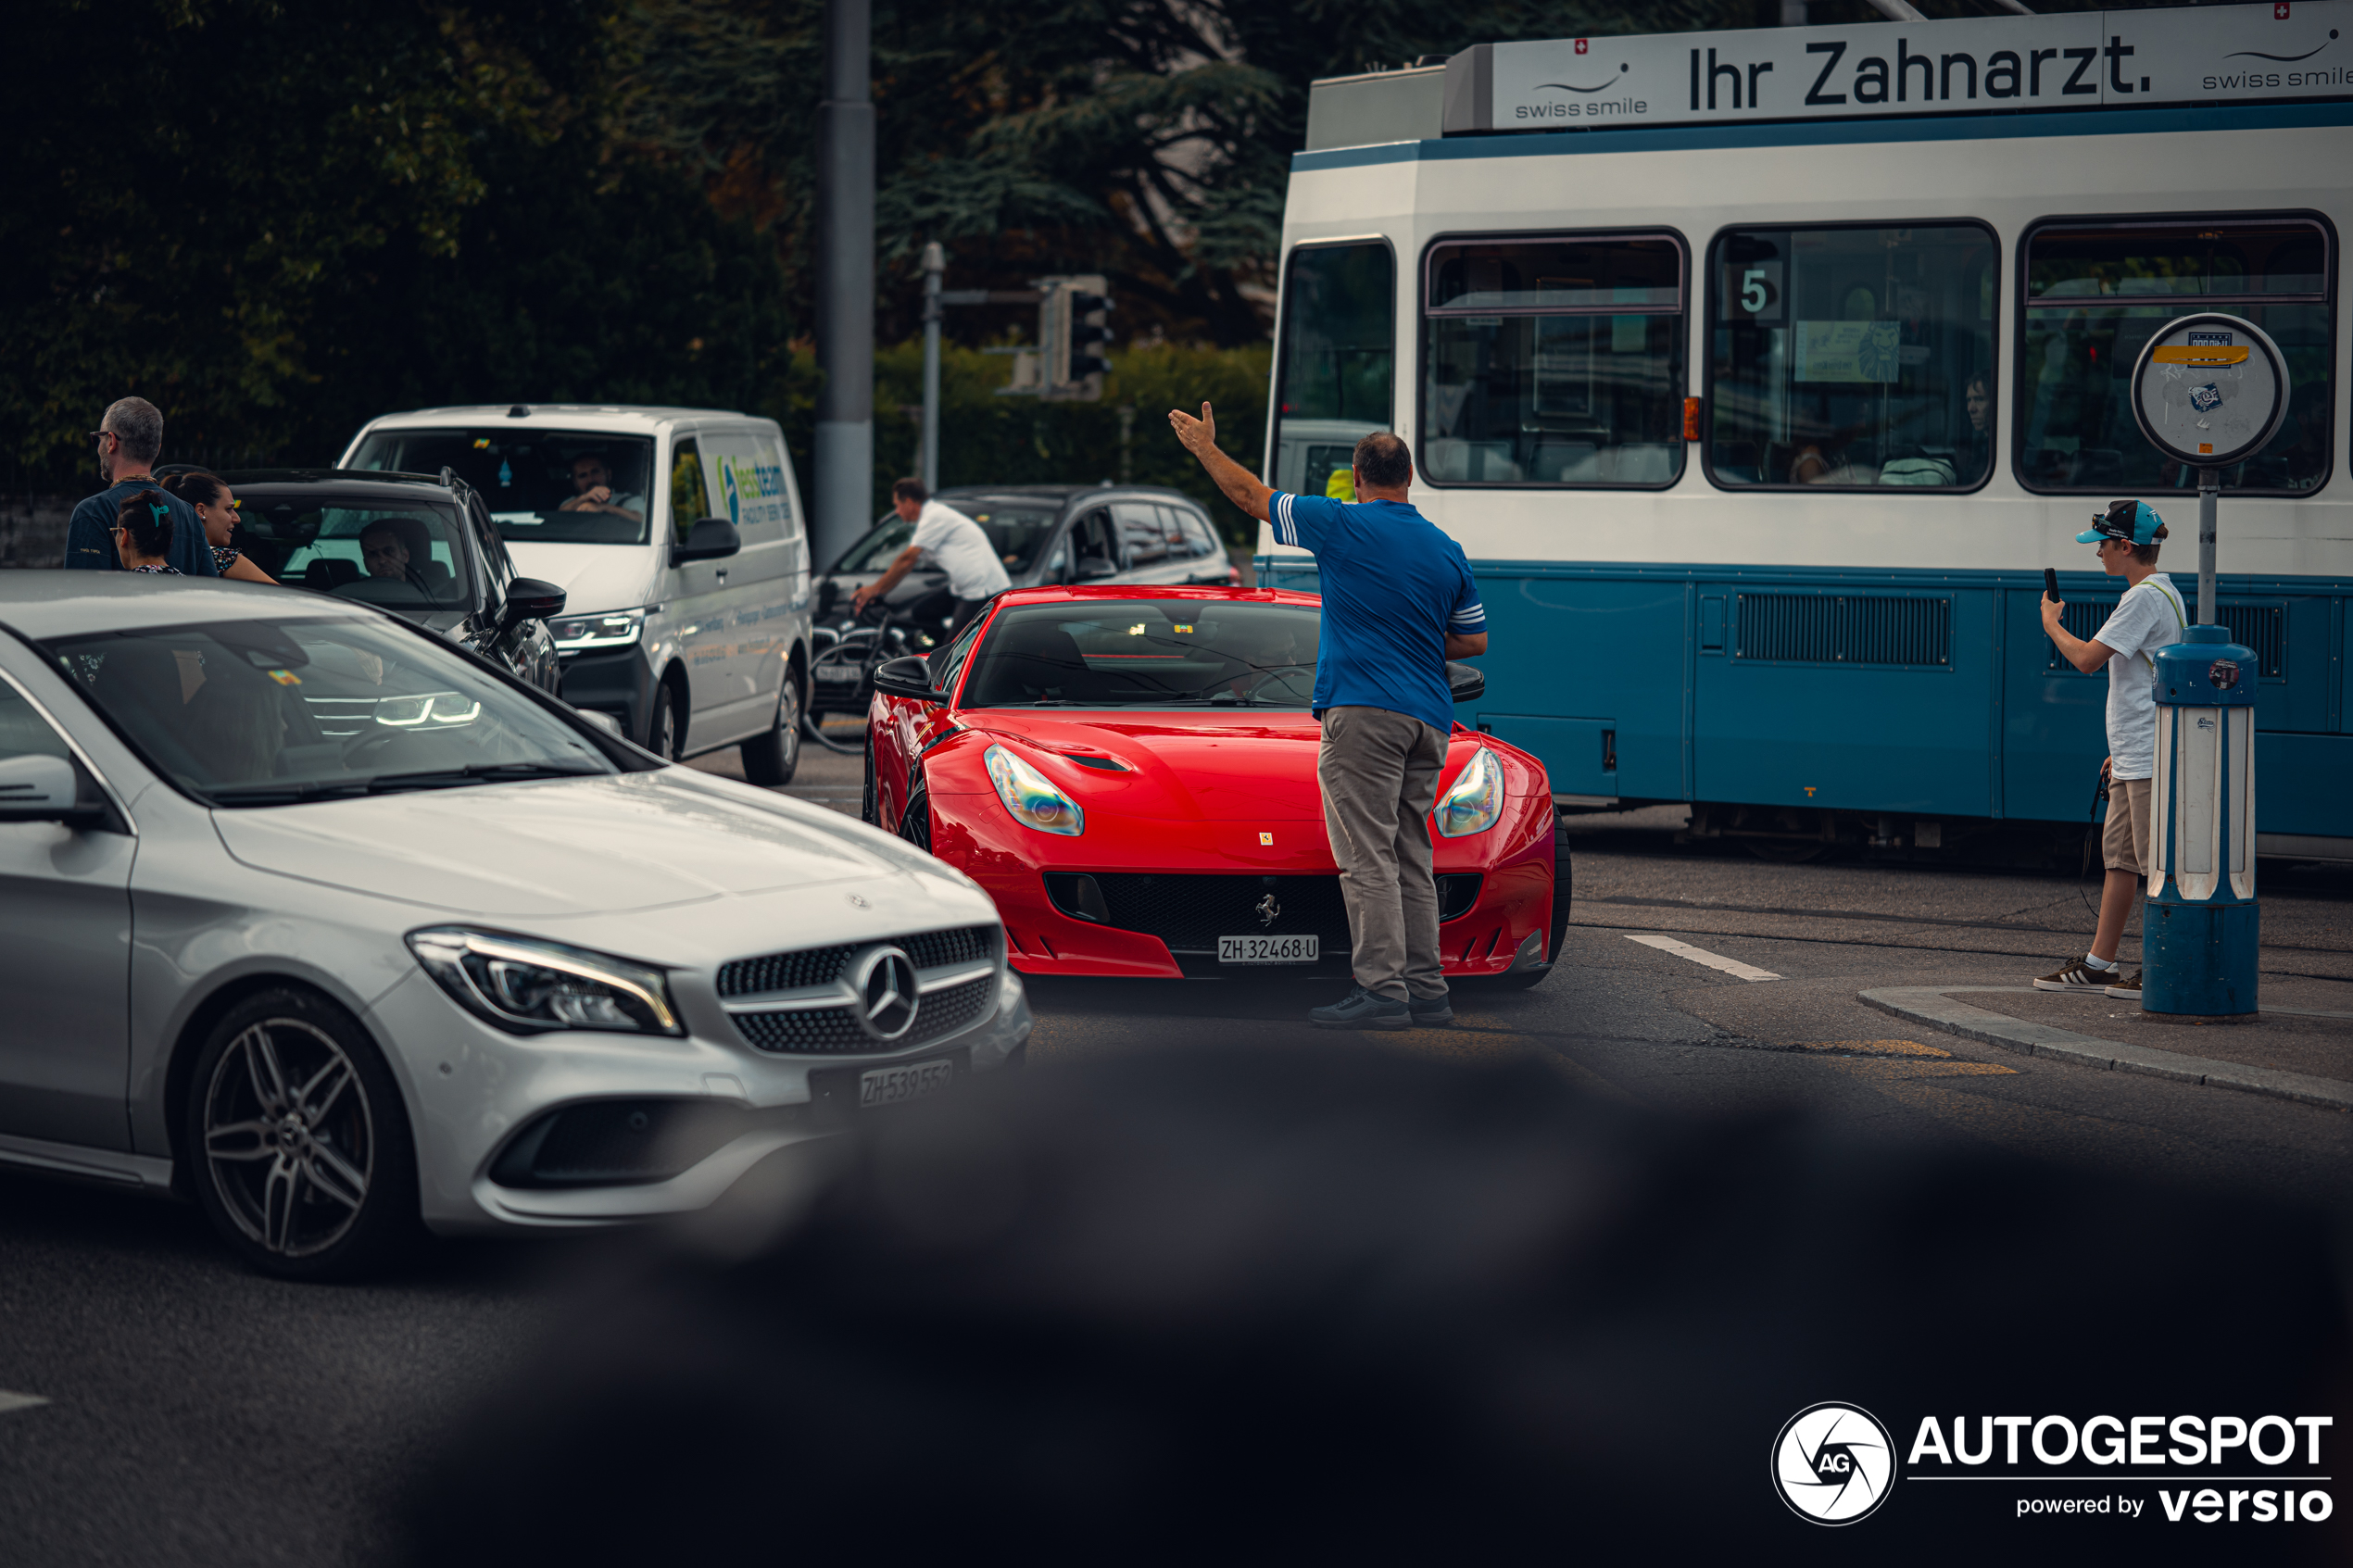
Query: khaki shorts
{"type": "Point", "coordinates": [2125, 844]}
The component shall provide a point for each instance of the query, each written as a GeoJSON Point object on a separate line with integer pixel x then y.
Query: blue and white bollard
{"type": "Point", "coordinates": [2202, 926]}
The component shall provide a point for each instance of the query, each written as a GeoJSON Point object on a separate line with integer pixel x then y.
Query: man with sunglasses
{"type": "Point", "coordinates": [2149, 616]}
{"type": "Point", "coordinates": [129, 439]}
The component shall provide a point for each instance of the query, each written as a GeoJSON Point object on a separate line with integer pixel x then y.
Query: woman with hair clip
{"type": "Point", "coordinates": [208, 494]}
{"type": "Point", "coordinates": [143, 533]}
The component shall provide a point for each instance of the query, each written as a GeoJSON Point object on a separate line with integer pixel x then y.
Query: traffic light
{"type": "Point", "coordinates": [1070, 324]}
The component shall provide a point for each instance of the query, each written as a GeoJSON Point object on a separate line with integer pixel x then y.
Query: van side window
{"type": "Point", "coordinates": [689, 495]}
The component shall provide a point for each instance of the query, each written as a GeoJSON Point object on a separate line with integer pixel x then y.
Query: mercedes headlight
{"type": "Point", "coordinates": [527, 988]}
{"type": "Point", "coordinates": [617, 629]}
{"type": "Point", "coordinates": [1476, 801]}
{"type": "Point", "coordinates": [1031, 798]}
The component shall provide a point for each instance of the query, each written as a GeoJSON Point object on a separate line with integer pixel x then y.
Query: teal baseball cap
{"type": "Point", "coordinates": [2135, 523]}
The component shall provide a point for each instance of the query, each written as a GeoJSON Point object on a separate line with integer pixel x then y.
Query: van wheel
{"type": "Point", "coordinates": [666, 738]}
{"type": "Point", "coordinates": [771, 759]}
{"type": "Point", "coordinates": [296, 1142]}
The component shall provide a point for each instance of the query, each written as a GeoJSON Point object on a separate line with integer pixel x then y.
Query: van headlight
{"type": "Point", "coordinates": [528, 987]}
{"type": "Point", "coordinates": [1476, 801]}
{"type": "Point", "coordinates": [1031, 798]}
{"type": "Point", "coordinates": [615, 629]}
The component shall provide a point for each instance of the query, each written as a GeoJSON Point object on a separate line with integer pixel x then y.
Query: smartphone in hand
{"type": "Point", "coordinates": [2050, 583]}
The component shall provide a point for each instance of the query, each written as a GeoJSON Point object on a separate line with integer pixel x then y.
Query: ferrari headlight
{"type": "Point", "coordinates": [1476, 801]}
{"type": "Point", "coordinates": [526, 988]}
{"type": "Point", "coordinates": [1031, 798]}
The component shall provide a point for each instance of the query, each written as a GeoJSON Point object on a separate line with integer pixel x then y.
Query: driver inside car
{"type": "Point", "coordinates": [398, 548]}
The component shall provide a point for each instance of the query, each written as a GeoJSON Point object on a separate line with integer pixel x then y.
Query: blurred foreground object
{"type": "Point", "coordinates": [1337, 1304]}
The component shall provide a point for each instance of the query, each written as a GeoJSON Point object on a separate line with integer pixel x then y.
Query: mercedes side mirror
{"type": "Point", "coordinates": [714, 538]}
{"type": "Point", "coordinates": [35, 788]}
{"type": "Point", "coordinates": [910, 676]}
{"type": "Point", "coordinates": [1465, 681]}
{"type": "Point", "coordinates": [530, 599]}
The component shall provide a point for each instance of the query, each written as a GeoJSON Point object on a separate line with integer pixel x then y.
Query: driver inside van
{"type": "Point", "coordinates": [593, 492]}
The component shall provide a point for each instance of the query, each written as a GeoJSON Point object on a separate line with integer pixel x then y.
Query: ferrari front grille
{"type": "Point", "coordinates": [1191, 912]}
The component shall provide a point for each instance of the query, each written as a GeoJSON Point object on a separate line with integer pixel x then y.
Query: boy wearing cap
{"type": "Point", "coordinates": [2149, 616]}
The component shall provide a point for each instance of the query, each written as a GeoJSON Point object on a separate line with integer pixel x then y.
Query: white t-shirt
{"type": "Point", "coordinates": [959, 546]}
{"type": "Point", "coordinates": [2149, 617]}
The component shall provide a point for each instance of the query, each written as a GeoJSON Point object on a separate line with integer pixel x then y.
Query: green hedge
{"type": "Point", "coordinates": [988, 439]}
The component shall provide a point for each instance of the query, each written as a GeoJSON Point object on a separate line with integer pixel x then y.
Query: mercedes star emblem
{"type": "Point", "coordinates": [887, 999]}
{"type": "Point", "coordinates": [1267, 910]}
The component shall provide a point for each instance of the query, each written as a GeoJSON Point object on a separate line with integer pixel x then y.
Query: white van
{"type": "Point", "coordinates": [677, 534]}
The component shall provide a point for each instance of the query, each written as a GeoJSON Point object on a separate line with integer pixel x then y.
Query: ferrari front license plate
{"type": "Point", "coordinates": [1267, 949]}
{"type": "Point", "coordinates": [890, 1086]}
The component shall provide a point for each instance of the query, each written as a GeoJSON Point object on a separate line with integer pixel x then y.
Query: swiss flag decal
{"type": "Point", "coordinates": [2279, 10]}
{"type": "Point", "coordinates": [1581, 42]}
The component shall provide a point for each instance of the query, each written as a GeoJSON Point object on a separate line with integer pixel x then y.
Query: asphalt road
{"type": "Point", "coordinates": [197, 1413]}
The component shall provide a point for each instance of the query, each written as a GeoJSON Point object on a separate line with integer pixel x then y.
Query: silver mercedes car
{"type": "Point", "coordinates": [333, 927]}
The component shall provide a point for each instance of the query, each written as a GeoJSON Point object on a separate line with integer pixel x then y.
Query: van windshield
{"type": "Point", "coordinates": [543, 486]}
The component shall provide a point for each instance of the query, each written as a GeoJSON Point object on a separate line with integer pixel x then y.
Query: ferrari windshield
{"type": "Point", "coordinates": [268, 712]}
{"type": "Point", "coordinates": [1147, 653]}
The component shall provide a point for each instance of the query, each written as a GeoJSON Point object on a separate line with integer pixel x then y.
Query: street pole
{"type": "Point", "coordinates": [935, 263]}
{"type": "Point", "coordinates": [845, 446]}
{"type": "Point", "coordinates": [2210, 492]}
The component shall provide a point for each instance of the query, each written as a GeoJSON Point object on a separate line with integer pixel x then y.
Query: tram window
{"type": "Point", "coordinates": [1554, 360]}
{"type": "Point", "coordinates": [2095, 294]}
{"type": "Point", "coordinates": [1852, 357]}
{"type": "Point", "coordinates": [1339, 353]}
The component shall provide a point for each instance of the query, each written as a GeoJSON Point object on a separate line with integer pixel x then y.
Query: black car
{"type": "Point", "coordinates": [1050, 533]}
{"type": "Point", "coordinates": [420, 547]}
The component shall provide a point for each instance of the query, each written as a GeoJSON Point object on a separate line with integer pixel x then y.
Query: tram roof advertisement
{"type": "Point", "coordinates": [2266, 53]}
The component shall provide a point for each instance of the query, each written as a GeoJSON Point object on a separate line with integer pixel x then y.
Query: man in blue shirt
{"type": "Point", "coordinates": [1399, 602]}
{"type": "Point", "coordinates": [130, 439]}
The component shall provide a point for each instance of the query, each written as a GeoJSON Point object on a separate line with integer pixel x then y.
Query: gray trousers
{"type": "Point", "coordinates": [1379, 771]}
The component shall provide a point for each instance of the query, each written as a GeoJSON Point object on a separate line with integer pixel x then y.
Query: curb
{"type": "Point", "coordinates": [1933, 1006]}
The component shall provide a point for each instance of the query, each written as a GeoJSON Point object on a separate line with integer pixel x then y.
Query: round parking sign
{"type": "Point", "coordinates": [2209, 390]}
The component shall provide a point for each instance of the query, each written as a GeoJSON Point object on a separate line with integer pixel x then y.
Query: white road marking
{"type": "Point", "coordinates": [18, 1402]}
{"type": "Point", "coordinates": [1701, 955]}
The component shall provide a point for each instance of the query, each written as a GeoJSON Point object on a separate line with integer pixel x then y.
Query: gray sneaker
{"type": "Point", "coordinates": [1362, 1009]}
{"type": "Point", "coordinates": [2077, 975]}
{"type": "Point", "coordinates": [2127, 990]}
{"type": "Point", "coordinates": [1430, 1012]}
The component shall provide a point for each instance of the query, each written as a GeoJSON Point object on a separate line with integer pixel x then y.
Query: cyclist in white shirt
{"type": "Point", "coordinates": [955, 544]}
{"type": "Point", "coordinates": [2149, 616]}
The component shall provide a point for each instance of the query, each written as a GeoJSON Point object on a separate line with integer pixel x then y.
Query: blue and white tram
{"type": "Point", "coordinates": [1761, 374]}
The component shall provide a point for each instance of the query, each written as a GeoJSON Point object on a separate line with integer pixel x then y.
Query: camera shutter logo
{"type": "Point", "coordinates": [1833, 1463]}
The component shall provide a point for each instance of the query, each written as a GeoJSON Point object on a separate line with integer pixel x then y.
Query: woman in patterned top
{"type": "Point", "coordinates": [217, 510]}
{"type": "Point", "coordinates": [143, 533]}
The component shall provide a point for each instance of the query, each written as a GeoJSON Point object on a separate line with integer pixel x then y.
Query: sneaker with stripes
{"type": "Point", "coordinates": [2077, 974]}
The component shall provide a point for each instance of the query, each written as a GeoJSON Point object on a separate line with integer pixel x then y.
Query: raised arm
{"type": "Point", "coordinates": [1240, 485]}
